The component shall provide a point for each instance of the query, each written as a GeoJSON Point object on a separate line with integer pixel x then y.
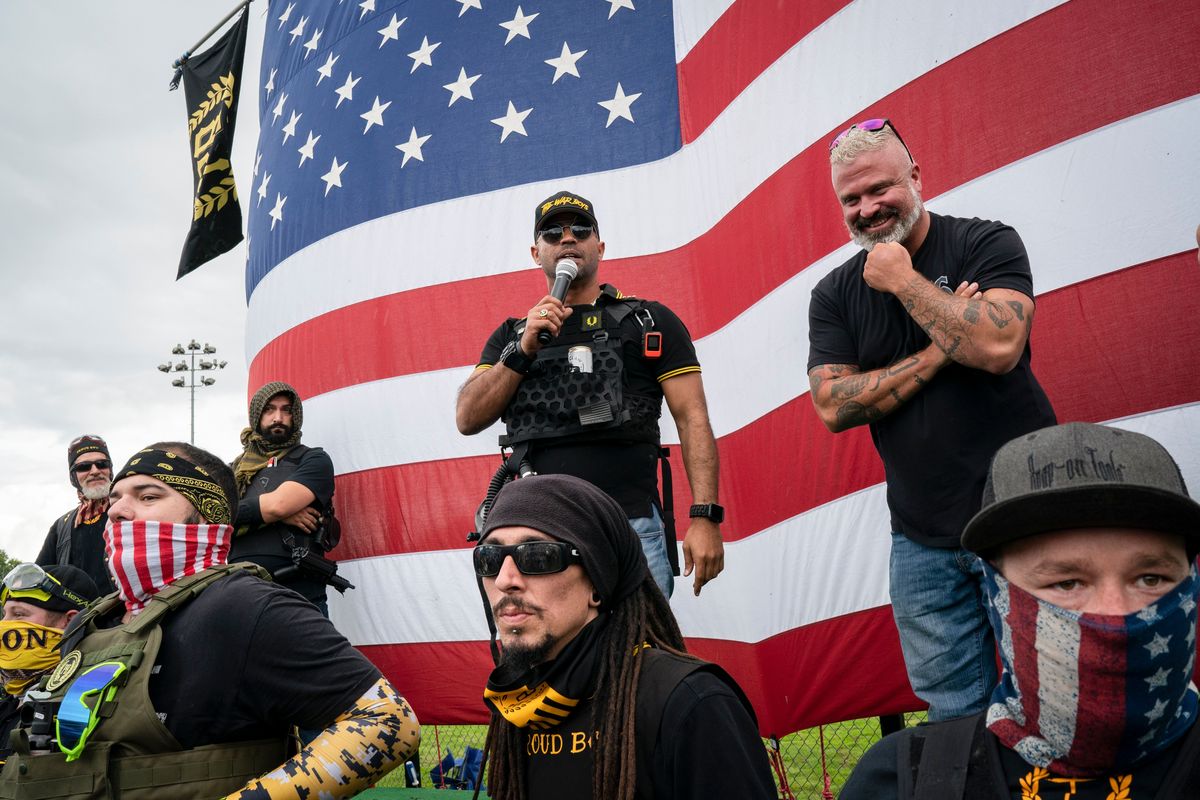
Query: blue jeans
{"type": "Point", "coordinates": [949, 648]}
{"type": "Point", "coordinates": [654, 545]}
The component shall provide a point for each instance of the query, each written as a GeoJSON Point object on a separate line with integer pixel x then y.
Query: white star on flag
{"type": "Point", "coordinates": [1159, 707]}
{"type": "Point", "coordinates": [276, 213]}
{"type": "Point", "coordinates": [619, 105]}
{"type": "Point", "coordinates": [565, 63]}
{"type": "Point", "coordinates": [367, 7]}
{"type": "Point", "coordinates": [270, 84]}
{"type": "Point", "coordinates": [412, 148]}
{"type": "Point", "coordinates": [262, 188]}
{"type": "Point", "coordinates": [616, 4]}
{"type": "Point", "coordinates": [346, 90]}
{"type": "Point", "coordinates": [306, 149]}
{"type": "Point", "coordinates": [392, 30]}
{"type": "Point", "coordinates": [1147, 737]}
{"type": "Point", "coordinates": [375, 115]}
{"type": "Point", "coordinates": [326, 69]}
{"type": "Point", "coordinates": [289, 130]}
{"type": "Point", "coordinates": [312, 43]}
{"type": "Point", "coordinates": [468, 4]}
{"type": "Point", "coordinates": [518, 25]}
{"type": "Point", "coordinates": [422, 55]}
{"type": "Point", "coordinates": [1187, 604]}
{"type": "Point", "coordinates": [287, 13]}
{"type": "Point", "coordinates": [298, 31]}
{"type": "Point", "coordinates": [334, 176]}
{"type": "Point", "coordinates": [462, 86]}
{"type": "Point", "coordinates": [1159, 679]}
{"type": "Point", "coordinates": [1158, 645]}
{"type": "Point", "coordinates": [257, 161]}
{"type": "Point", "coordinates": [1149, 613]}
{"type": "Point", "coordinates": [278, 108]}
{"type": "Point", "coordinates": [513, 121]}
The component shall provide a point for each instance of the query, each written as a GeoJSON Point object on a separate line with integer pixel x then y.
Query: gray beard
{"type": "Point", "coordinates": [898, 233]}
{"type": "Point", "coordinates": [96, 492]}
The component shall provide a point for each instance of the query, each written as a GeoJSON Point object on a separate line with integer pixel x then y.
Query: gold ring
{"type": "Point", "coordinates": [543, 313]}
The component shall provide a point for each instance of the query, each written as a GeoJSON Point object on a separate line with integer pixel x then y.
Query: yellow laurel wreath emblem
{"type": "Point", "coordinates": [215, 198]}
{"type": "Point", "coordinates": [65, 669]}
{"type": "Point", "coordinates": [1120, 787]}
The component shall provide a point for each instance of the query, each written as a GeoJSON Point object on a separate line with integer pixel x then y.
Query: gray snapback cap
{"type": "Point", "coordinates": [1081, 475]}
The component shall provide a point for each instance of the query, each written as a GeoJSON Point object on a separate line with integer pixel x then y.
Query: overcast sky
{"type": "Point", "coordinates": [95, 201]}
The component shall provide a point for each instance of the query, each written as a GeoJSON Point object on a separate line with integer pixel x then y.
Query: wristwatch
{"type": "Point", "coordinates": [515, 359]}
{"type": "Point", "coordinates": [710, 511]}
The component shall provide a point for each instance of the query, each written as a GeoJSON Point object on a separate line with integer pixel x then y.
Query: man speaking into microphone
{"type": "Point", "coordinates": [579, 382]}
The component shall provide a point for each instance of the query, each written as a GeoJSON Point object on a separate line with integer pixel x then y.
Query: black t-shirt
{"type": "Point", "coordinates": [627, 471]}
{"type": "Point", "coordinates": [874, 777]}
{"type": "Point", "coordinates": [248, 659]}
{"type": "Point", "coordinates": [707, 747]}
{"type": "Point", "coordinates": [936, 448]}
{"type": "Point", "coordinates": [265, 544]}
{"type": "Point", "coordinates": [87, 551]}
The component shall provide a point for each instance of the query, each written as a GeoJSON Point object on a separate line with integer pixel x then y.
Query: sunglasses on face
{"type": "Point", "coordinates": [31, 581]}
{"type": "Point", "coordinates": [872, 125]}
{"type": "Point", "coordinates": [531, 558]}
{"type": "Point", "coordinates": [554, 233]}
{"type": "Point", "coordinates": [86, 466]}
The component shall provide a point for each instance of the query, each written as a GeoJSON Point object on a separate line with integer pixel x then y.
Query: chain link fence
{"type": "Point", "coordinates": [813, 763]}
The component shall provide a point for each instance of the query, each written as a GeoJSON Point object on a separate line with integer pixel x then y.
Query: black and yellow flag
{"type": "Point", "coordinates": [211, 81]}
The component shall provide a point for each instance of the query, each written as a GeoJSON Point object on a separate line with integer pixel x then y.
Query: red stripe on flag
{"type": "Point", "coordinates": [1101, 694]}
{"type": "Point", "coordinates": [747, 39]}
{"type": "Point", "coordinates": [1022, 617]}
{"type": "Point", "coordinates": [455, 673]}
{"type": "Point", "coordinates": [1065, 88]}
{"type": "Point", "coordinates": [1091, 367]}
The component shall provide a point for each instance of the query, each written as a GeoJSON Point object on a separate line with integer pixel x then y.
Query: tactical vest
{"type": "Point", "coordinates": [556, 400]}
{"type": "Point", "coordinates": [131, 755]}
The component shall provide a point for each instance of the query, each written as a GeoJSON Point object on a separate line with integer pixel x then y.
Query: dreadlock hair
{"type": "Point", "coordinates": [643, 617]}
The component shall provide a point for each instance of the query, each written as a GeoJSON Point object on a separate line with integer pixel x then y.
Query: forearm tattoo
{"type": "Point", "coordinates": [362, 745]}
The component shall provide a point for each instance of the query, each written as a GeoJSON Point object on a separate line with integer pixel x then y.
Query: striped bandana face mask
{"type": "Point", "coordinates": [145, 556]}
{"type": "Point", "coordinates": [1083, 694]}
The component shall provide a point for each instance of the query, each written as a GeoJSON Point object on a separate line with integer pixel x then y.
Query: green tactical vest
{"type": "Point", "coordinates": [131, 755]}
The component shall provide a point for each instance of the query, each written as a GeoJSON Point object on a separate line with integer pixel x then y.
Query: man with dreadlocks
{"type": "Point", "coordinates": [286, 490]}
{"type": "Point", "coordinates": [594, 694]}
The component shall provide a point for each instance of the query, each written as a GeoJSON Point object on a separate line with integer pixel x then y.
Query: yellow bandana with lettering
{"type": "Point", "coordinates": [537, 708]}
{"type": "Point", "coordinates": [27, 651]}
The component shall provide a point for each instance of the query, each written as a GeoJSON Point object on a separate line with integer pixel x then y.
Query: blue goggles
{"type": "Point", "coordinates": [80, 710]}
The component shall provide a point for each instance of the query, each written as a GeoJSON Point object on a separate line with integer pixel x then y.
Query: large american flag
{"type": "Point", "coordinates": [404, 144]}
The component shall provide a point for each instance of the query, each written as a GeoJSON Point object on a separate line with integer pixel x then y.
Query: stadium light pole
{"type": "Point", "coordinates": [190, 366]}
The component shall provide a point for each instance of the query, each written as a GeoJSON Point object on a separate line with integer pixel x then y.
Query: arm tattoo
{"type": "Point", "coordinates": [971, 312]}
{"type": "Point", "coordinates": [900, 366]}
{"type": "Point", "coordinates": [850, 386]}
{"type": "Point", "coordinates": [1018, 309]}
{"type": "Point", "coordinates": [896, 396]}
{"type": "Point", "coordinates": [854, 413]}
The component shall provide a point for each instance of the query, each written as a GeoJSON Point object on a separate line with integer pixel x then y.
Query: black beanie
{"type": "Point", "coordinates": [87, 443]}
{"type": "Point", "coordinates": [574, 511]}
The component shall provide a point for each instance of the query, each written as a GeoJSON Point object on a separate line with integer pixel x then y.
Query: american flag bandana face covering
{"type": "Point", "coordinates": [145, 556]}
{"type": "Point", "coordinates": [1082, 694]}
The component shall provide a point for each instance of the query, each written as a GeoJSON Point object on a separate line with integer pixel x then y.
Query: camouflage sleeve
{"type": "Point", "coordinates": [378, 733]}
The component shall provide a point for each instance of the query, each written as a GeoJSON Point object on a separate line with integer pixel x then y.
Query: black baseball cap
{"type": "Point", "coordinates": [563, 202]}
{"type": "Point", "coordinates": [1081, 475]}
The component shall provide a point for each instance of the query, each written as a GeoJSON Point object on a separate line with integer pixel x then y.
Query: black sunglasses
{"type": "Point", "coordinates": [531, 558]}
{"type": "Point", "coordinates": [554, 233]}
{"type": "Point", "coordinates": [86, 466]}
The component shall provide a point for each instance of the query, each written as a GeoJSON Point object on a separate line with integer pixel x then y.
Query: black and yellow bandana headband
{"type": "Point", "coordinates": [183, 476]}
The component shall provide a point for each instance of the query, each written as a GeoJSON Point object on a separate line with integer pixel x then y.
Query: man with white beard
{"type": "Point", "coordinates": [924, 336]}
{"type": "Point", "coordinates": [76, 538]}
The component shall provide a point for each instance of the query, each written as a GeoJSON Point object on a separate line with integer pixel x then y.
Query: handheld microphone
{"type": "Point", "coordinates": [564, 272]}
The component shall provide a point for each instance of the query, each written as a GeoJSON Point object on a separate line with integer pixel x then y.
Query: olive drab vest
{"type": "Point", "coordinates": [556, 400]}
{"type": "Point", "coordinates": [130, 754]}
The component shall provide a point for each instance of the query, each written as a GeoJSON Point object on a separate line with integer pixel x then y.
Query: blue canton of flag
{"type": "Point", "coordinates": [372, 108]}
